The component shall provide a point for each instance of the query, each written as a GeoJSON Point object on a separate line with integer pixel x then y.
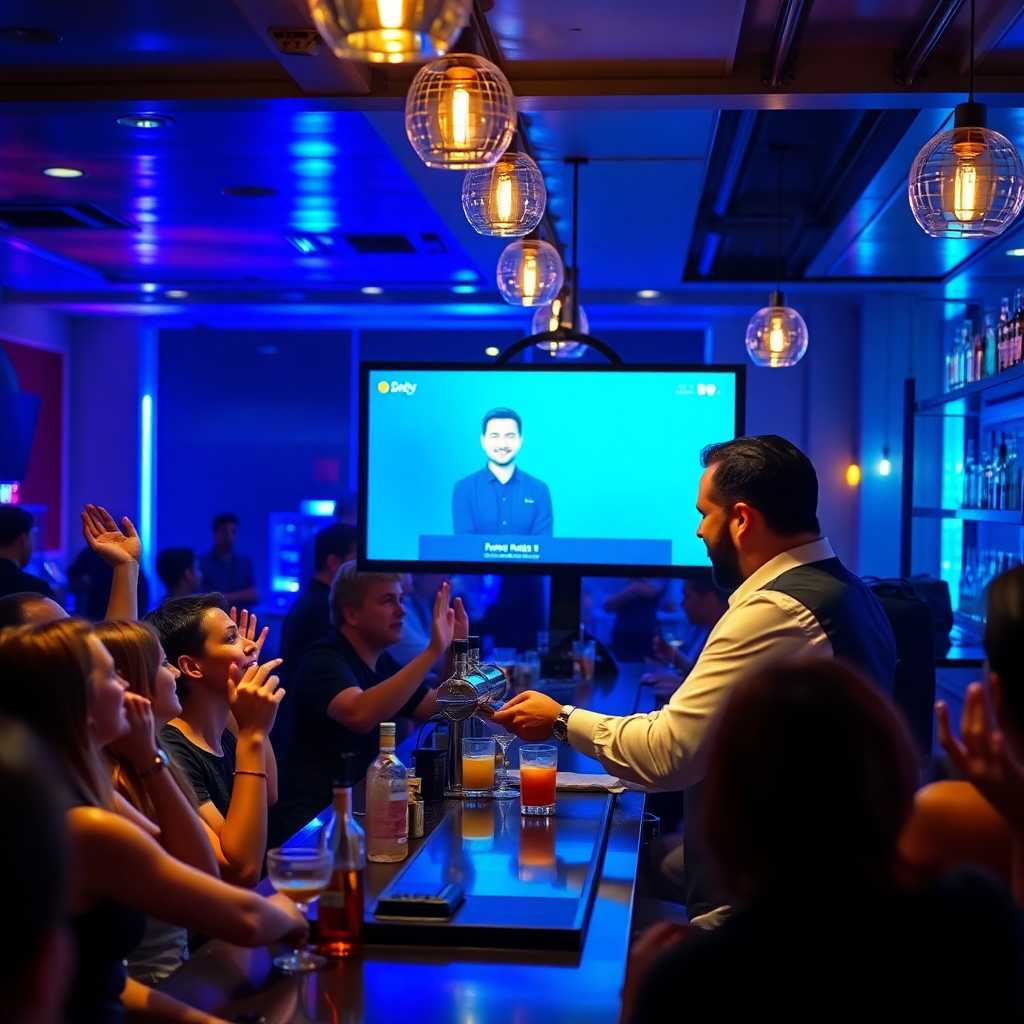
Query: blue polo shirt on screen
{"type": "Point", "coordinates": [481, 503]}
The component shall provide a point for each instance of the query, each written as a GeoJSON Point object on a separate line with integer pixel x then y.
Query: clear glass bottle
{"type": "Point", "coordinates": [989, 367]}
{"type": "Point", "coordinates": [970, 495]}
{"type": "Point", "coordinates": [977, 352]}
{"type": "Point", "coordinates": [1003, 335]}
{"type": "Point", "coordinates": [340, 914]}
{"type": "Point", "coordinates": [1017, 332]}
{"type": "Point", "coordinates": [387, 803]}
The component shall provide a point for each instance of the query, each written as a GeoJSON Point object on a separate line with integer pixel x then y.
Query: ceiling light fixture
{"type": "Point", "coordinates": [968, 182]}
{"type": "Point", "coordinates": [492, 351]}
{"type": "Point", "coordinates": [176, 293]}
{"type": "Point", "coordinates": [1015, 252]}
{"type": "Point", "coordinates": [390, 31]}
{"type": "Point", "coordinates": [777, 334]}
{"type": "Point", "coordinates": [464, 289]}
{"type": "Point", "coordinates": [63, 172]}
{"type": "Point", "coordinates": [460, 113]}
{"type": "Point", "coordinates": [371, 289]}
{"type": "Point", "coordinates": [148, 287]}
{"type": "Point", "coordinates": [145, 121]}
{"type": "Point", "coordinates": [506, 200]}
{"type": "Point", "coordinates": [530, 273]}
{"type": "Point", "coordinates": [648, 293]}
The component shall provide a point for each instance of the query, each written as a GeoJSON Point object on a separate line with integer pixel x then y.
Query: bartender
{"type": "Point", "coordinates": [791, 596]}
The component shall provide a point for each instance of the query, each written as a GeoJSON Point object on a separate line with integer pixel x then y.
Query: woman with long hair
{"type": "Point", "coordinates": [60, 680]}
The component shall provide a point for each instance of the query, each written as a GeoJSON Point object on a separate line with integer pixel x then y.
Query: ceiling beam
{"type": "Point", "coordinates": [780, 61]}
{"type": "Point", "coordinates": [910, 63]}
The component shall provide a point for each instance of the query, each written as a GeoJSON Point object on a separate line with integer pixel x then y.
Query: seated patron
{"type": "Point", "coordinates": [349, 683]}
{"type": "Point", "coordinates": [36, 963]}
{"type": "Point", "coordinates": [791, 596]}
{"type": "Point", "coordinates": [16, 526]}
{"type": "Point", "coordinates": [232, 771]}
{"type": "Point", "coordinates": [226, 571]}
{"type": "Point", "coordinates": [636, 617]}
{"type": "Point", "coordinates": [810, 779]}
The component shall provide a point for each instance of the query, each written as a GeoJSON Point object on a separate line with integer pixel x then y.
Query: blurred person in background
{"type": "Point", "coordinates": [225, 570]}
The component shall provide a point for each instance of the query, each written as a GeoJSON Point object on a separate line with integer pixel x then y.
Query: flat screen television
{"type": "Point", "coordinates": [533, 468]}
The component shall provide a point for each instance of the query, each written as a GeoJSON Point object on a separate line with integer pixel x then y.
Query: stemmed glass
{"type": "Point", "coordinates": [301, 874]}
{"type": "Point", "coordinates": [505, 789]}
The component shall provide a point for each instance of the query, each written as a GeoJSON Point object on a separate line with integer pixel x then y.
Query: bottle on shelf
{"type": "Point", "coordinates": [977, 352]}
{"type": "Point", "coordinates": [387, 801]}
{"type": "Point", "coordinates": [340, 914]}
{"type": "Point", "coordinates": [989, 367]}
{"type": "Point", "coordinates": [1003, 336]}
{"type": "Point", "coordinates": [970, 495]}
{"type": "Point", "coordinates": [1017, 332]}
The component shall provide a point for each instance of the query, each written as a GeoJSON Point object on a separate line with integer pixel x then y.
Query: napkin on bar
{"type": "Point", "coordinates": [579, 782]}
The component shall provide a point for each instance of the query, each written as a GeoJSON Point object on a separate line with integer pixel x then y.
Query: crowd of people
{"type": "Point", "coordinates": [148, 763]}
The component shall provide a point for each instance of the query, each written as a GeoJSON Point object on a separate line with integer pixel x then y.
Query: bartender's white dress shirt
{"type": "Point", "coordinates": [667, 749]}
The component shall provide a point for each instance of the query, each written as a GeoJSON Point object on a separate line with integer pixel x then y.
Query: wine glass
{"type": "Point", "coordinates": [505, 789]}
{"type": "Point", "coordinates": [301, 874]}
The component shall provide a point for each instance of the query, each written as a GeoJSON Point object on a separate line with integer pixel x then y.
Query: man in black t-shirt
{"type": "Point", "coordinates": [348, 684]}
{"type": "Point", "coordinates": [15, 552]}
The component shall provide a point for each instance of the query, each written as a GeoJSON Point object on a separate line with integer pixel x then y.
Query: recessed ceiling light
{"type": "Point", "coordinates": [648, 293]}
{"type": "Point", "coordinates": [250, 191]}
{"type": "Point", "coordinates": [1015, 252]}
{"type": "Point", "coordinates": [148, 287]}
{"type": "Point", "coordinates": [492, 350]}
{"type": "Point", "coordinates": [176, 293]}
{"type": "Point", "coordinates": [63, 172]}
{"type": "Point", "coordinates": [147, 121]}
{"type": "Point", "coordinates": [371, 289]}
{"type": "Point", "coordinates": [464, 289]}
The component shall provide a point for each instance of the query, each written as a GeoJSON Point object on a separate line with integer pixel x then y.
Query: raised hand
{"type": "Point", "coordinates": [138, 745]}
{"type": "Point", "coordinates": [254, 696]}
{"type": "Point", "coordinates": [461, 620]}
{"type": "Point", "coordinates": [982, 755]}
{"type": "Point", "coordinates": [442, 625]}
{"type": "Point", "coordinates": [116, 546]}
{"type": "Point", "coordinates": [246, 623]}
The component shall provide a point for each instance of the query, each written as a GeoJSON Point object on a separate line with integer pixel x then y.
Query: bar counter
{"type": "Point", "coordinates": [467, 983]}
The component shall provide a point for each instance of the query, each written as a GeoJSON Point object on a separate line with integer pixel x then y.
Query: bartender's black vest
{"type": "Point", "coordinates": [860, 634]}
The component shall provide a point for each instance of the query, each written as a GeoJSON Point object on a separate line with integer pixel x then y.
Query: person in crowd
{"type": "Point", "coordinates": [179, 572]}
{"type": "Point", "coordinates": [221, 738]}
{"type": "Point", "coordinates": [225, 570]}
{"type": "Point", "coordinates": [36, 957]}
{"type": "Point", "coordinates": [119, 548]}
{"type": "Point", "coordinates": [501, 498]}
{"type": "Point", "coordinates": [810, 779]}
{"type": "Point", "coordinates": [59, 680]}
{"type": "Point", "coordinates": [309, 618]}
{"type": "Point", "coordinates": [349, 683]}
{"type": "Point", "coordinates": [791, 596]}
{"type": "Point", "coordinates": [90, 578]}
{"type": "Point", "coordinates": [636, 617]}
{"type": "Point", "coordinates": [703, 605]}
{"type": "Point", "coordinates": [955, 821]}
{"type": "Point", "coordinates": [16, 526]}
{"type": "Point", "coordinates": [152, 783]}
{"type": "Point", "coordinates": [419, 592]}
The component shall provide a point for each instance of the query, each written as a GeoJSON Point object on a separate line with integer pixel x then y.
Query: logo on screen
{"type": "Point", "coordinates": [707, 389]}
{"type": "Point", "coordinates": [397, 387]}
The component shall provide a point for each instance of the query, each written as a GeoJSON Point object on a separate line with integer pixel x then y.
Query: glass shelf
{"type": "Point", "coordinates": [1009, 381]}
{"type": "Point", "coordinates": [977, 515]}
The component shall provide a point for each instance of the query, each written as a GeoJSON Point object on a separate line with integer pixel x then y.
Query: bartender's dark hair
{"type": "Point", "coordinates": [501, 413]}
{"type": "Point", "coordinates": [772, 475]}
{"type": "Point", "coordinates": [1004, 640]}
{"type": "Point", "coordinates": [810, 780]}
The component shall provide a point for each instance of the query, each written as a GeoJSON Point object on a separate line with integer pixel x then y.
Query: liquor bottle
{"type": "Point", "coordinates": [1003, 336]}
{"type": "Point", "coordinates": [1011, 477]}
{"type": "Point", "coordinates": [387, 800]}
{"type": "Point", "coordinates": [970, 495]}
{"type": "Point", "coordinates": [978, 353]}
{"type": "Point", "coordinates": [340, 917]}
{"type": "Point", "coordinates": [990, 347]}
{"type": "Point", "coordinates": [1017, 332]}
{"type": "Point", "coordinates": [999, 475]}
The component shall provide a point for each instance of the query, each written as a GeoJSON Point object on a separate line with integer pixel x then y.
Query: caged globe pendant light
{"type": "Point", "coordinates": [507, 199]}
{"type": "Point", "coordinates": [389, 31]}
{"type": "Point", "coordinates": [530, 273]}
{"type": "Point", "coordinates": [777, 334]}
{"type": "Point", "coordinates": [968, 182]}
{"type": "Point", "coordinates": [460, 113]}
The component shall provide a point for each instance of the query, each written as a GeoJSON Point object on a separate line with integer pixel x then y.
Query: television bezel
{"type": "Point", "coordinates": [738, 370]}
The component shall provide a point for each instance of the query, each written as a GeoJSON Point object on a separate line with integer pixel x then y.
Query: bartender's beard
{"type": "Point", "coordinates": [725, 563]}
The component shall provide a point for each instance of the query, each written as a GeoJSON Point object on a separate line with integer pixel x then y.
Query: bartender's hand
{"type": "Point", "coordinates": [530, 715]}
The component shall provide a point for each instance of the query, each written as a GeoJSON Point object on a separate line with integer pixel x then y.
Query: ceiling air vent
{"type": "Point", "coordinates": [380, 243]}
{"type": "Point", "coordinates": [25, 216]}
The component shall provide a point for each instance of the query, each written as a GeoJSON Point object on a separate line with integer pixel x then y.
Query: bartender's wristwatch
{"type": "Point", "coordinates": [560, 729]}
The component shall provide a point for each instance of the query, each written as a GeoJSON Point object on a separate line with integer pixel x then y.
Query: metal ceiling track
{"type": "Point", "coordinates": [911, 62]}
{"type": "Point", "coordinates": [780, 63]}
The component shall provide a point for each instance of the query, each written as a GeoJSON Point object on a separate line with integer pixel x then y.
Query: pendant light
{"type": "Point", "coordinates": [389, 31]}
{"type": "Point", "coordinates": [968, 182]}
{"type": "Point", "coordinates": [460, 113]}
{"type": "Point", "coordinates": [530, 273]}
{"type": "Point", "coordinates": [777, 334]}
{"type": "Point", "coordinates": [506, 200]}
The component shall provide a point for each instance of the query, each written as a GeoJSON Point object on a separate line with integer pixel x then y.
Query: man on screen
{"type": "Point", "coordinates": [501, 498]}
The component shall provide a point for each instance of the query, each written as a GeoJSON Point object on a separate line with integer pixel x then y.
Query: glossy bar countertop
{"type": "Point", "coordinates": [435, 983]}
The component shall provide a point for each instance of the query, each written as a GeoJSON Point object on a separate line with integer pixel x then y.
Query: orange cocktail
{"type": "Point", "coordinates": [537, 773]}
{"type": "Point", "coordinates": [477, 765]}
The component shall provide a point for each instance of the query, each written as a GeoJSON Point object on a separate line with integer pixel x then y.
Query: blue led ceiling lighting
{"type": "Point", "coordinates": [312, 165]}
